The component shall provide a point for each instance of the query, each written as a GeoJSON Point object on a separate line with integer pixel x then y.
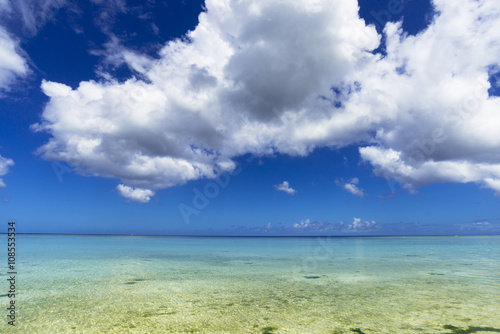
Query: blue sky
{"type": "Point", "coordinates": [250, 118]}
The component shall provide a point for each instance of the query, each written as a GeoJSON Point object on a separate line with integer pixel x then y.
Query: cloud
{"type": "Point", "coordinates": [312, 226]}
{"type": "Point", "coordinates": [483, 227]}
{"type": "Point", "coordinates": [358, 225]}
{"type": "Point", "coordinates": [4, 168]}
{"type": "Point", "coordinates": [351, 186]}
{"type": "Point", "coordinates": [441, 122]}
{"type": "Point", "coordinates": [267, 77]}
{"type": "Point", "coordinates": [12, 64]}
{"type": "Point", "coordinates": [115, 54]}
{"type": "Point", "coordinates": [361, 226]}
{"type": "Point", "coordinates": [5, 6]}
{"type": "Point", "coordinates": [136, 195]}
{"type": "Point", "coordinates": [285, 187]}
{"type": "Point", "coordinates": [309, 227]}
{"type": "Point", "coordinates": [105, 17]}
{"type": "Point", "coordinates": [36, 13]}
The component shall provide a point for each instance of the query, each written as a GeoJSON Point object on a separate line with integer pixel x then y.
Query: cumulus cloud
{"type": "Point", "coordinates": [135, 194]}
{"type": "Point", "coordinates": [351, 186]}
{"type": "Point", "coordinates": [442, 122]}
{"type": "Point", "coordinates": [263, 77]}
{"type": "Point", "coordinates": [4, 168]}
{"type": "Point", "coordinates": [12, 64]}
{"type": "Point", "coordinates": [285, 187]}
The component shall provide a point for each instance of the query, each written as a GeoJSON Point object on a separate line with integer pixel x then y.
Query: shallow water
{"type": "Point", "coordinates": [104, 284]}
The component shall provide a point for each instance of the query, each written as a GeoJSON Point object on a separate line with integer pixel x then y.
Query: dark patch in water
{"type": "Point", "coordinates": [436, 274]}
{"type": "Point", "coordinates": [268, 330]}
{"type": "Point", "coordinates": [148, 314]}
{"type": "Point", "coordinates": [4, 295]}
{"type": "Point", "coordinates": [248, 262]}
{"type": "Point", "coordinates": [411, 255]}
{"type": "Point", "coordinates": [357, 330]}
{"type": "Point", "coordinates": [129, 282]}
{"type": "Point", "coordinates": [470, 329]}
{"type": "Point", "coordinates": [312, 277]}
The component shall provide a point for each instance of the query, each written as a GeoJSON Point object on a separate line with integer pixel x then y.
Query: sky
{"type": "Point", "coordinates": [262, 117]}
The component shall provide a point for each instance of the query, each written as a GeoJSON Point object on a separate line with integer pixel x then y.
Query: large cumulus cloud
{"type": "Point", "coordinates": [278, 76]}
{"type": "Point", "coordinates": [442, 124]}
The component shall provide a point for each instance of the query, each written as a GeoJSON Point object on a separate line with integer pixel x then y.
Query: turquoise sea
{"type": "Point", "coordinates": [118, 284]}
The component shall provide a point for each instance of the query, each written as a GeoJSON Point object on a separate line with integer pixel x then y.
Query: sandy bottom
{"type": "Point", "coordinates": [223, 292]}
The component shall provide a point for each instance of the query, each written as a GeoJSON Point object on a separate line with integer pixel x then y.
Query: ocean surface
{"type": "Point", "coordinates": [118, 284]}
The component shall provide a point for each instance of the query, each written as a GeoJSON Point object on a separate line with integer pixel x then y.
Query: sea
{"type": "Point", "coordinates": [135, 284]}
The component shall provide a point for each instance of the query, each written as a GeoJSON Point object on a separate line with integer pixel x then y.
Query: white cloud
{"type": "Point", "coordinates": [440, 125]}
{"type": "Point", "coordinates": [256, 77]}
{"type": "Point", "coordinates": [303, 224]}
{"type": "Point", "coordinates": [115, 55]}
{"type": "Point", "coordinates": [389, 163]}
{"type": "Point", "coordinates": [359, 225]}
{"type": "Point", "coordinates": [4, 168]}
{"type": "Point", "coordinates": [285, 187]}
{"type": "Point", "coordinates": [12, 65]}
{"type": "Point", "coordinates": [352, 187]}
{"type": "Point", "coordinates": [136, 195]}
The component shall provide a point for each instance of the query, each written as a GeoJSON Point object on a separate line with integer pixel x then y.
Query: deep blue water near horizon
{"type": "Point", "coordinates": [136, 284]}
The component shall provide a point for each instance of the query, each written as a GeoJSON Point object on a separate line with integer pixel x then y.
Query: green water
{"type": "Point", "coordinates": [84, 284]}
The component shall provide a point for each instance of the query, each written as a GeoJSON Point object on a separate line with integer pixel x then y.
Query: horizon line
{"type": "Point", "coordinates": [253, 236]}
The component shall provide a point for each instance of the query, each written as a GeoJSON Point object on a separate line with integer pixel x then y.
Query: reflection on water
{"type": "Point", "coordinates": [90, 284]}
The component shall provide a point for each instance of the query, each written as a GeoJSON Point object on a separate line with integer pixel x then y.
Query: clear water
{"type": "Point", "coordinates": [96, 284]}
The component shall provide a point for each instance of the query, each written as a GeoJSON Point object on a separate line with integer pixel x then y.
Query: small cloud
{"type": "Point", "coordinates": [351, 186]}
{"type": "Point", "coordinates": [312, 226]}
{"type": "Point", "coordinates": [155, 28]}
{"type": "Point", "coordinates": [285, 186]}
{"type": "Point", "coordinates": [135, 194]}
{"type": "Point", "coordinates": [359, 225]}
{"type": "Point", "coordinates": [482, 224]}
{"type": "Point", "coordinates": [4, 168]}
{"type": "Point", "coordinates": [303, 224]}
{"type": "Point", "coordinates": [386, 196]}
{"type": "Point", "coordinates": [479, 227]}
